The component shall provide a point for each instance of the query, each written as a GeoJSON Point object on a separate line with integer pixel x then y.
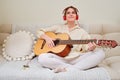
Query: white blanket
{"type": "Point", "coordinates": [92, 74]}
{"type": "Point", "coordinates": [14, 70]}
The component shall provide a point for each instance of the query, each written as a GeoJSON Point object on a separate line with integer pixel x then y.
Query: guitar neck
{"type": "Point", "coordinates": [77, 41]}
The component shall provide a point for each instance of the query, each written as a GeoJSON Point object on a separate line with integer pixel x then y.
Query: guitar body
{"type": "Point", "coordinates": [61, 50]}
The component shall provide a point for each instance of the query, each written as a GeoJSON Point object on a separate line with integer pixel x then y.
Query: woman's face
{"type": "Point", "coordinates": [70, 15]}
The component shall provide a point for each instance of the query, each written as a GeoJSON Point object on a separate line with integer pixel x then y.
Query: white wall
{"type": "Point", "coordinates": [50, 11]}
{"type": "Point", "coordinates": [0, 13]}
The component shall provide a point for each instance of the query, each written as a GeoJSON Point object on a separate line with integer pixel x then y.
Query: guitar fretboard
{"type": "Point", "coordinates": [76, 41]}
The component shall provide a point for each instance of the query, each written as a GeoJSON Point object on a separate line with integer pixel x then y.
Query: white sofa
{"type": "Point", "coordinates": [106, 70]}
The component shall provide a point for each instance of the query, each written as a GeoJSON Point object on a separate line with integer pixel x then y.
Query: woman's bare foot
{"type": "Point", "coordinates": [60, 69]}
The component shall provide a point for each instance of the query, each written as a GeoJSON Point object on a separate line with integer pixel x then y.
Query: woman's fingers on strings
{"type": "Point", "coordinates": [92, 45]}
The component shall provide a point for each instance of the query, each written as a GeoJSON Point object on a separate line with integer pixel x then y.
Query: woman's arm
{"type": "Point", "coordinates": [41, 34]}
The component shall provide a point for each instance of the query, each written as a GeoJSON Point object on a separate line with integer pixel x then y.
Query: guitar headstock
{"type": "Point", "coordinates": [107, 43]}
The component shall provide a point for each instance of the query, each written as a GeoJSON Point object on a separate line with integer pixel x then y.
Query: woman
{"type": "Point", "coordinates": [81, 57]}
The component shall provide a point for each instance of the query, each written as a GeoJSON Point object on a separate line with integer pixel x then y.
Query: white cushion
{"type": "Point", "coordinates": [113, 36]}
{"type": "Point", "coordinates": [112, 65]}
{"type": "Point", "coordinates": [112, 52]}
{"type": "Point", "coordinates": [95, 28]}
{"type": "Point", "coordinates": [111, 28]}
{"type": "Point", "coordinates": [116, 66]}
{"type": "Point", "coordinates": [113, 59]}
{"type": "Point", "coordinates": [27, 27]}
{"type": "Point", "coordinates": [96, 36]}
{"type": "Point", "coordinates": [18, 46]}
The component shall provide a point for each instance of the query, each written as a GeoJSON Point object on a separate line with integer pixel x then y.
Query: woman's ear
{"type": "Point", "coordinates": [77, 17]}
{"type": "Point", "coordinates": [64, 17]}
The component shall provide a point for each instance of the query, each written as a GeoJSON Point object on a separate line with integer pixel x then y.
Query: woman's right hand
{"type": "Point", "coordinates": [49, 41]}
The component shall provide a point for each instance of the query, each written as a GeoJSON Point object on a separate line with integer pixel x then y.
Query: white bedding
{"type": "Point", "coordinates": [14, 70]}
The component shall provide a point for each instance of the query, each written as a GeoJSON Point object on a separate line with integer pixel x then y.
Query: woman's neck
{"type": "Point", "coordinates": [71, 24]}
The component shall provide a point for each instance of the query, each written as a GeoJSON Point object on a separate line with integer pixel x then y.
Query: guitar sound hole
{"type": "Point", "coordinates": [56, 41]}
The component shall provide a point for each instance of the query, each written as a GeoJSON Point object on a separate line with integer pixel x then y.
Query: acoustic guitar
{"type": "Point", "coordinates": [63, 44]}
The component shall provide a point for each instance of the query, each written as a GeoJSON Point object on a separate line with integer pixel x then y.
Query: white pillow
{"type": "Point", "coordinates": [113, 36]}
{"type": "Point", "coordinates": [19, 46]}
{"type": "Point", "coordinates": [96, 36]}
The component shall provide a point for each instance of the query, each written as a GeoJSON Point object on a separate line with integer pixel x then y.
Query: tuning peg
{"type": "Point", "coordinates": [110, 46]}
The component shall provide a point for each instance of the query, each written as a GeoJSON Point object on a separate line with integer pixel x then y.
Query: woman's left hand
{"type": "Point", "coordinates": [91, 46]}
